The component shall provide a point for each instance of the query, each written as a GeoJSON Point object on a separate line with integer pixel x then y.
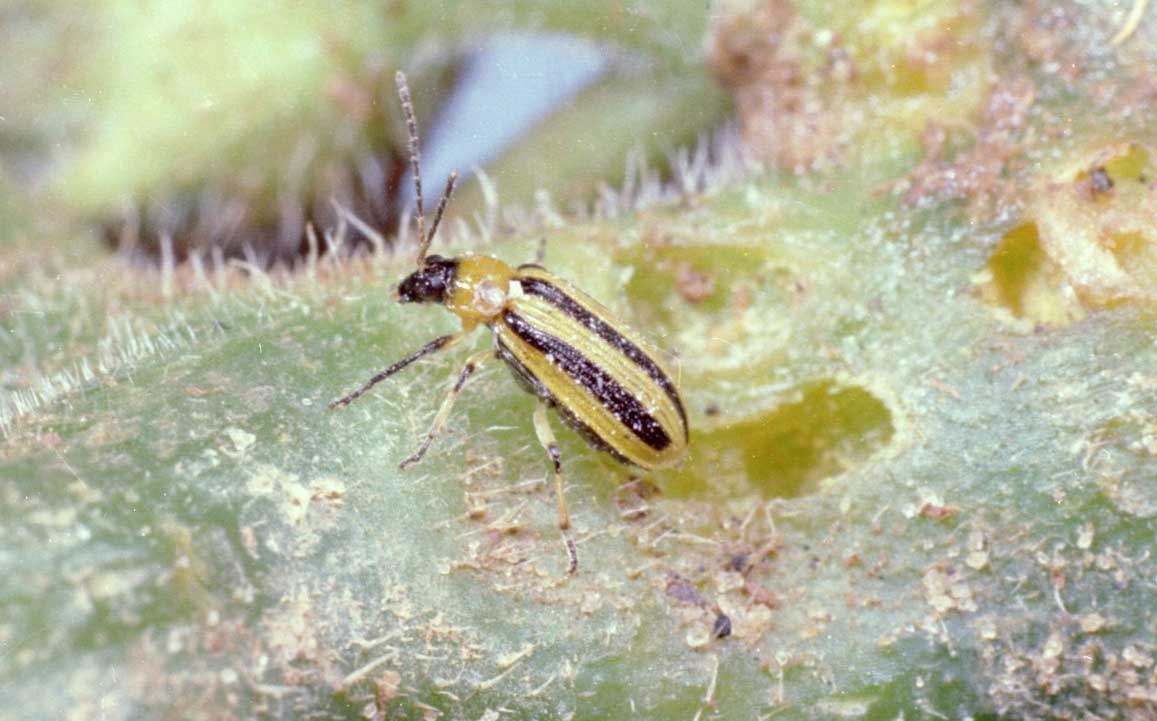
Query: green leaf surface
{"type": "Point", "coordinates": [961, 531]}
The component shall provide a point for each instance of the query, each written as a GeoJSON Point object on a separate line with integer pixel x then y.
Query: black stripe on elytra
{"type": "Point", "coordinates": [531, 384]}
{"type": "Point", "coordinates": [616, 399]}
{"type": "Point", "coordinates": [559, 299]}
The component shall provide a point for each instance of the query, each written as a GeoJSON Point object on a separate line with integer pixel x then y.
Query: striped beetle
{"type": "Point", "coordinates": [561, 345]}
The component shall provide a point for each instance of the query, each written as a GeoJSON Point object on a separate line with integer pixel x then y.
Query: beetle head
{"type": "Point", "coordinates": [429, 283]}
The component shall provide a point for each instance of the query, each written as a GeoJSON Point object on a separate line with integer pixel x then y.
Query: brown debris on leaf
{"type": "Point", "coordinates": [759, 55]}
{"type": "Point", "coordinates": [682, 591]}
{"type": "Point", "coordinates": [809, 94]}
{"type": "Point", "coordinates": [988, 174]}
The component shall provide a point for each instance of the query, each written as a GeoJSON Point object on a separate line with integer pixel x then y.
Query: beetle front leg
{"type": "Point", "coordinates": [550, 443]}
{"type": "Point", "coordinates": [434, 346]}
{"type": "Point", "coordinates": [439, 424]}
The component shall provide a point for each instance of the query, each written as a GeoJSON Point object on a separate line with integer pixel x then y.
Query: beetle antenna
{"type": "Point", "coordinates": [446, 193]}
{"type": "Point", "coordinates": [415, 161]}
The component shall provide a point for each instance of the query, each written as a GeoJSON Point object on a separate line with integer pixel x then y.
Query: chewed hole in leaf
{"type": "Point", "coordinates": [820, 430]}
{"type": "Point", "coordinates": [1131, 165]}
{"type": "Point", "coordinates": [1022, 279]}
{"type": "Point", "coordinates": [712, 280]}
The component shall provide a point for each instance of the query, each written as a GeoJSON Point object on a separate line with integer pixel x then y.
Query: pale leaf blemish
{"type": "Point", "coordinates": [238, 442]}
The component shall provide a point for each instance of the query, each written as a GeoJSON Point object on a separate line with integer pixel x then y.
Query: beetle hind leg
{"type": "Point", "coordinates": [550, 444]}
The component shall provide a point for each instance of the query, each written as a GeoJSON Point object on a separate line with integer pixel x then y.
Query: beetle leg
{"type": "Point", "coordinates": [550, 443]}
{"type": "Point", "coordinates": [433, 346]}
{"type": "Point", "coordinates": [439, 424]}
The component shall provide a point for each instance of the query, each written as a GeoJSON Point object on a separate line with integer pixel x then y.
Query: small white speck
{"type": "Point", "coordinates": [307, 401]}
